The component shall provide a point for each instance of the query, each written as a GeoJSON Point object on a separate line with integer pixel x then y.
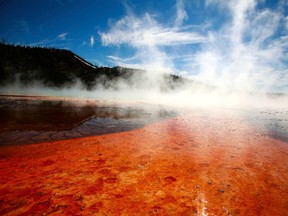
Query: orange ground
{"type": "Point", "coordinates": [183, 166]}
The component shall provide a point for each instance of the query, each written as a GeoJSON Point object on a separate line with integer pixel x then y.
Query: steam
{"type": "Point", "coordinates": [148, 37]}
{"type": "Point", "coordinates": [237, 63]}
{"type": "Point", "coordinates": [245, 54]}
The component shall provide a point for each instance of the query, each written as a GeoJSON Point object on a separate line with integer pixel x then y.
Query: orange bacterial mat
{"type": "Point", "coordinates": [187, 165]}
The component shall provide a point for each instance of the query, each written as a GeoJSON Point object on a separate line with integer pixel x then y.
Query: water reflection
{"type": "Point", "coordinates": [30, 121]}
{"type": "Point", "coordinates": [270, 121]}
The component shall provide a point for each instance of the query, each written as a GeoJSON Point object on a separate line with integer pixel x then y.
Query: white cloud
{"type": "Point", "coordinates": [250, 58]}
{"type": "Point", "coordinates": [181, 15]}
{"type": "Point", "coordinates": [146, 31]}
{"type": "Point", "coordinates": [62, 36]}
{"type": "Point", "coordinates": [149, 38]}
{"type": "Point", "coordinates": [59, 41]}
{"type": "Point", "coordinates": [242, 54]}
{"type": "Point", "coordinates": [92, 41]}
{"type": "Point", "coordinates": [83, 43]}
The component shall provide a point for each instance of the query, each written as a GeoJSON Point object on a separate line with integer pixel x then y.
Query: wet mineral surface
{"type": "Point", "coordinates": [184, 165]}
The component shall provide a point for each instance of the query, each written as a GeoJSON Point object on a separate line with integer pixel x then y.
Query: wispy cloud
{"type": "Point", "coordinates": [243, 53]}
{"type": "Point", "coordinates": [149, 38]}
{"type": "Point", "coordinates": [60, 40]}
{"type": "Point", "coordinates": [146, 31]}
{"type": "Point", "coordinates": [181, 14]}
{"type": "Point", "coordinates": [92, 41]}
{"type": "Point", "coordinates": [246, 52]}
{"type": "Point", "coordinates": [83, 43]}
{"type": "Point", "coordinates": [62, 36]}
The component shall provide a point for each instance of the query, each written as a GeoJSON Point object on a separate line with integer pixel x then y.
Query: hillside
{"type": "Point", "coordinates": [58, 68]}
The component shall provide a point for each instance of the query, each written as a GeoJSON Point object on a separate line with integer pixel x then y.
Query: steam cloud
{"type": "Point", "coordinates": [244, 55]}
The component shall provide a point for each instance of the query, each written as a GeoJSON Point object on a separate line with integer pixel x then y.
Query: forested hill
{"type": "Point", "coordinates": [60, 68]}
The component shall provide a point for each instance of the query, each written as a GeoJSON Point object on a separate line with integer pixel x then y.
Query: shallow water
{"type": "Point", "coordinates": [268, 121]}
{"type": "Point", "coordinates": [187, 165]}
{"type": "Point", "coordinates": [221, 162]}
{"type": "Point", "coordinates": [272, 121]}
{"type": "Point", "coordinates": [27, 120]}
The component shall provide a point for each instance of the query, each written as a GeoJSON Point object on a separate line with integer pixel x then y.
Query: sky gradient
{"type": "Point", "coordinates": [233, 44]}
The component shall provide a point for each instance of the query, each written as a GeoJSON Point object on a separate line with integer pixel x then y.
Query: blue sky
{"type": "Point", "coordinates": [236, 44]}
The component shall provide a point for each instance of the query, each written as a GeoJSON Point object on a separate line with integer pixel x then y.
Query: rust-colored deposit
{"type": "Point", "coordinates": [181, 166]}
